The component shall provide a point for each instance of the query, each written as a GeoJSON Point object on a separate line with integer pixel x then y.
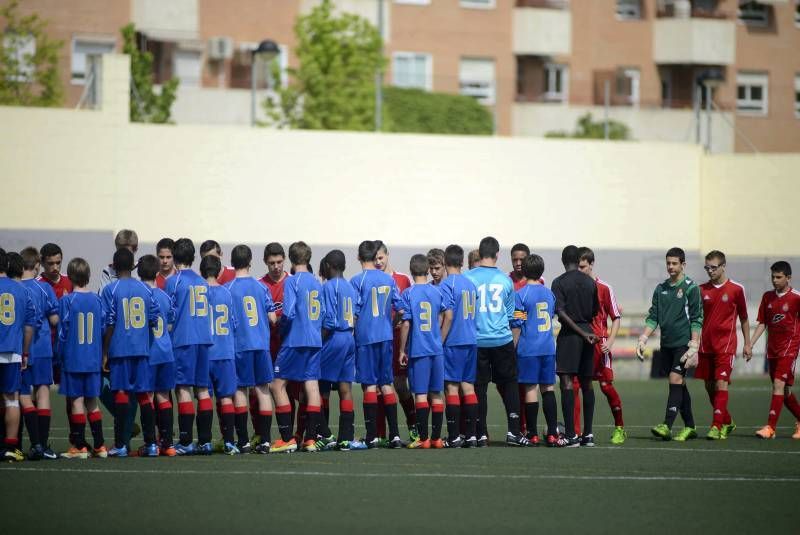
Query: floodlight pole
{"type": "Point", "coordinates": [379, 75]}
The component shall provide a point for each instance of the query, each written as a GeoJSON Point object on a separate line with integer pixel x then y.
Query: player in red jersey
{"type": "Point", "coordinates": [166, 264]}
{"type": "Point", "coordinates": [212, 247]}
{"type": "Point", "coordinates": [779, 315]}
{"type": "Point", "coordinates": [723, 302]}
{"type": "Point", "coordinates": [602, 350]}
{"type": "Point", "coordinates": [519, 252]}
{"type": "Point", "coordinates": [51, 270]}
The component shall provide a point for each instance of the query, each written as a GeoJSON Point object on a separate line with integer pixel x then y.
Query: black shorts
{"type": "Point", "coordinates": [497, 364]}
{"type": "Point", "coordinates": [574, 356]}
{"type": "Point", "coordinates": [671, 360]}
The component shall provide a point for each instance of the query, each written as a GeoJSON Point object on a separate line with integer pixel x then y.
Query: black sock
{"type": "Point", "coordinates": [259, 426]}
{"type": "Point", "coordinates": [481, 429]}
{"type": "Point", "coordinates": [77, 432]}
{"type": "Point", "coordinates": [391, 419]}
{"type": "Point", "coordinates": [686, 408]}
{"type": "Point", "coordinates": [550, 412]}
{"type": "Point", "coordinates": [674, 403]}
{"type": "Point", "coordinates": [228, 426]}
{"type": "Point", "coordinates": [422, 420]}
{"type": "Point", "coordinates": [470, 418]}
{"type": "Point", "coordinates": [324, 429]}
{"type": "Point", "coordinates": [370, 417]}
{"type": "Point", "coordinates": [346, 426]}
{"type": "Point", "coordinates": [511, 402]}
{"type": "Point", "coordinates": [437, 416]}
{"type": "Point", "coordinates": [453, 412]}
{"type": "Point", "coordinates": [205, 419]}
{"type": "Point", "coordinates": [284, 425]}
{"type": "Point", "coordinates": [267, 436]}
{"type": "Point", "coordinates": [44, 427]}
{"type": "Point", "coordinates": [165, 423]}
{"type": "Point", "coordinates": [96, 425]}
{"type": "Point", "coordinates": [240, 421]}
{"type": "Point", "coordinates": [32, 425]}
{"type": "Point", "coordinates": [148, 418]}
{"type": "Point", "coordinates": [120, 415]}
{"type": "Point", "coordinates": [587, 393]}
{"type": "Point", "coordinates": [568, 409]}
{"type": "Point", "coordinates": [186, 423]}
{"type": "Point", "coordinates": [531, 417]}
{"type": "Point", "coordinates": [312, 424]}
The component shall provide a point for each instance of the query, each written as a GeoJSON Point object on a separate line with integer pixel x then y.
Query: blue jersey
{"type": "Point", "coordinates": [130, 309]}
{"type": "Point", "coordinates": [458, 295]}
{"type": "Point", "coordinates": [46, 304]}
{"type": "Point", "coordinates": [161, 343]}
{"type": "Point", "coordinates": [16, 311]}
{"type": "Point", "coordinates": [80, 333]}
{"type": "Point", "coordinates": [251, 304]}
{"type": "Point", "coordinates": [376, 294]}
{"type": "Point", "coordinates": [495, 305]}
{"type": "Point", "coordinates": [303, 310]}
{"type": "Point", "coordinates": [188, 293]}
{"type": "Point", "coordinates": [422, 304]}
{"type": "Point", "coordinates": [338, 297]}
{"type": "Point", "coordinates": [535, 306]}
{"type": "Point", "coordinates": [224, 321]}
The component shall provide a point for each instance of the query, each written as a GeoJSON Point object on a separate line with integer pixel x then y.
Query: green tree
{"type": "Point", "coordinates": [147, 106]}
{"type": "Point", "coordinates": [588, 129]}
{"type": "Point", "coordinates": [334, 86]}
{"type": "Point", "coordinates": [415, 110]}
{"type": "Point", "coordinates": [28, 61]}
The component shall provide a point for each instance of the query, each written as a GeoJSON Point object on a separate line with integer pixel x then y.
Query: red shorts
{"type": "Point", "coordinates": [782, 368]}
{"type": "Point", "coordinates": [602, 364]}
{"type": "Point", "coordinates": [714, 366]}
{"type": "Point", "coordinates": [396, 368]}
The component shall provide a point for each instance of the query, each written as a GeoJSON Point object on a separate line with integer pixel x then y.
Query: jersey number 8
{"type": "Point", "coordinates": [7, 312]}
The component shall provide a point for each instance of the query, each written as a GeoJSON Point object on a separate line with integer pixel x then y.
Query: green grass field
{"type": "Point", "coordinates": [741, 485]}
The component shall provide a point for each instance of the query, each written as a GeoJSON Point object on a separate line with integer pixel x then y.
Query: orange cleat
{"type": "Point", "coordinates": [100, 453]}
{"type": "Point", "coordinates": [279, 446]}
{"type": "Point", "coordinates": [168, 451]}
{"type": "Point", "coordinates": [75, 453]}
{"type": "Point", "coordinates": [437, 444]}
{"type": "Point", "coordinates": [766, 432]}
{"type": "Point", "coordinates": [796, 434]}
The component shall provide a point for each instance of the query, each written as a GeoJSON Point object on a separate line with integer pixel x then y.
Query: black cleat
{"type": "Point", "coordinates": [483, 441]}
{"type": "Point", "coordinates": [517, 440]}
{"type": "Point", "coordinates": [574, 442]}
{"type": "Point", "coordinates": [396, 443]}
{"type": "Point", "coordinates": [470, 442]}
{"type": "Point", "coordinates": [457, 442]}
{"type": "Point", "coordinates": [587, 441]}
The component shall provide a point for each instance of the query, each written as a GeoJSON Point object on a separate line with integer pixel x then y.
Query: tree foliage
{"type": "Point", "coordinates": [146, 105]}
{"type": "Point", "coordinates": [28, 78]}
{"type": "Point", "coordinates": [588, 129]}
{"type": "Point", "coordinates": [415, 110]}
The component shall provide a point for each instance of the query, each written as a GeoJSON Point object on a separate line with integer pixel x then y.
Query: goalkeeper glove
{"type": "Point", "coordinates": [690, 358]}
{"type": "Point", "coordinates": [640, 347]}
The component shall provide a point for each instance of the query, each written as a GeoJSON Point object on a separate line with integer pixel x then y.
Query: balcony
{"type": "Point", "coordinates": [542, 30]}
{"type": "Point", "coordinates": [694, 37]}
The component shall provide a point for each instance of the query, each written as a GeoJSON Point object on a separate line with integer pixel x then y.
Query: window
{"type": "Point", "coordinates": [478, 4]}
{"type": "Point", "coordinates": [797, 96]}
{"type": "Point", "coordinates": [186, 65]}
{"type": "Point", "coordinates": [555, 82]}
{"type": "Point", "coordinates": [751, 93]}
{"type": "Point", "coordinates": [412, 69]}
{"type": "Point", "coordinates": [629, 9]}
{"type": "Point", "coordinates": [476, 79]}
{"type": "Point", "coordinates": [23, 48]}
{"type": "Point", "coordinates": [753, 13]}
{"type": "Point", "coordinates": [81, 48]}
{"type": "Point", "coordinates": [627, 89]}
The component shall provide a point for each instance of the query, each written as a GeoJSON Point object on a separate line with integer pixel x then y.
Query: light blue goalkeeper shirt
{"type": "Point", "coordinates": [494, 305]}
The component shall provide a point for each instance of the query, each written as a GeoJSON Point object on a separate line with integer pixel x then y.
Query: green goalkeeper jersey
{"type": "Point", "coordinates": [678, 310]}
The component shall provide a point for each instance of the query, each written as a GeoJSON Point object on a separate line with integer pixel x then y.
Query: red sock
{"type": "Point", "coordinates": [775, 410]}
{"type": "Point", "coordinates": [791, 403]}
{"type": "Point", "coordinates": [614, 402]}
{"type": "Point", "coordinates": [576, 389]}
{"type": "Point", "coordinates": [720, 408]}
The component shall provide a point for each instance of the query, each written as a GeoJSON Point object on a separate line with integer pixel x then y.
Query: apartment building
{"type": "Point", "coordinates": [537, 64]}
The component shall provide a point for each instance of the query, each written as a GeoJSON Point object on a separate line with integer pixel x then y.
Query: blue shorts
{"type": "Point", "coordinates": [253, 368]}
{"type": "Point", "coordinates": [129, 374]}
{"type": "Point", "coordinates": [374, 363]}
{"type": "Point", "coordinates": [426, 374]}
{"type": "Point", "coordinates": [162, 377]}
{"type": "Point", "coordinates": [10, 377]}
{"type": "Point", "coordinates": [39, 372]}
{"type": "Point", "coordinates": [298, 363]}
{"type": "Point", "coordinates": [77, 384]}
{"type": "Point", "coordinates": [460, 363]}
{"type": "Point", "coordinates": [539, 370]}
{"type": "Point", "coordinates": [223, 377]}
{"type": "Point", "coordinates": [191, 366]}
{"type": "Point", "coordinates": [338, 358]}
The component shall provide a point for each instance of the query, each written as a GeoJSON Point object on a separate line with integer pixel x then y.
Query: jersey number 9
{"type": "Point", "coordinates": [250, 310]}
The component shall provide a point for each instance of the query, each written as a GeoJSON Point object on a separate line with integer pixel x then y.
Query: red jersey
{"type": "Point", "coordinates": [781, 315]}
{"type": "Point", "coordinates": [522, 281]}
{"type": "Point", "coordinates": [227, 275]}
{"type": "Point", "coordinates": [721, 306]}
{"type": "Point", "coordinates": [608, 309]}
{"type": "Point", "coordinates": [403, 281]}
{"type": "Point", "coordinates": [61, 287]}
{"type": "Point", "coordinates": [276, 291]}
{"type": "Point", "coordinates": [161, 281]}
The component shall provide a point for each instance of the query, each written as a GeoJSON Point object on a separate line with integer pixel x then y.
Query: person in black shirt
{"type": "Point", "coordinates": [576, 305]}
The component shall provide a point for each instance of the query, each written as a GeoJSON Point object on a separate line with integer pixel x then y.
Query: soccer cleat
{"type": "Point", "coordinates": [574, 442]}
{"type": "Point", "coordinates": [246, 448]}
{"type": "Point", "coordinates": [437, 444]}
{"type": "Point", "coordinates": [420, 444]}
{"type": "Point", "coordinates": [457, 442]}
{"type": "Point", "coordinates": [471, 442]}
{"type": "Point", "coordinates": [727, 429]}
{"type": "Point", "coordinates": [255, 439]}
{"type": "Point", "coordinates": [766, 432]}
{"type": "Point", "coordinates": [205, 449]}
{"type": "Point", "coordinates": [715, 433]}
{"type": "Point", "coordinates": [118, 452]}
{"type": "Point", "coordinates": [168, 450]}
{"type": "Point", "coordinates": [185, 449]}
{"type": "Point", "coordinates": [587, 441]}
{"type": "Point", "coordinates": [148, 450]}
{"type": "Point", "coordinates": [551, 441]}
{"type": "Point", "coordinates": [76, 453]}
{"type": "Point", "coordinates": [310, 446]}
{"type": "Point", "coordinates": [662, 431]}
{"type": "Point", "coordinates": [279, 446]}
{"type": "Point", "coordinates": [36, 453]}
{"type": "Point", "coordinates": [483, 442]}
{"type": "Point", "coordinates": [326, 443]}
{"type": "Point", "coordinates": [100, 453]}
{"type": "Point", "coordinates": [412, 434]}
{"type": "Point", "coordinates": [534, 440]}
{"type": "Point", "coordinates": [13, 455]}
{"type": "Point", "coordinates": [230, 449]}
{"type": "Point", "coordinates": [517, 440]}
{"type": "Point", "coordinates": [687, 433]}
{"type": "Point", "coordinates": [262, 449]}
{"type": "Point", "coordinates": [374, 443]}
{"type": "Point", "coordinates": [618, 436]}
{"type": "Point", "coordinates": [350, 445]}
{"type": "Point", "coordinates": [396, 443]}
{"type": "Point", "coordinates": [796, 434]}
{"type": "Point", "coordinates": [48, 454]}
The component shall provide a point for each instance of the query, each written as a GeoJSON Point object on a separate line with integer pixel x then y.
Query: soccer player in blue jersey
{"type": "Point", "coordinates": [221, 365]}
{"type": "Point", "coordinates": [460, 350]}
{"type": "Point", "coordinates": [254, 311]}
{"type": "Point", "coordinates": [338, 356]}
{"type": "Point", "coordinates": [299, 356]}
{"type": "Point", "coordinates": [160, 358]}
{"type": "Point", "coordinates": [497, 359]}
{"type": "Point", "coordinates": [536, 348]}
{"type": "Point", "coordinates": [130, 311]}
{"type": "Point", "coordinates": [436, 266]}
{"type": "Point", "coordinates": [421, 350]}
{"type": "Point", "coordinates": [38, 376]}
{"type": "Point", "coordinates": [188, 293]}
{"type": "Point", "coordinates": [18, 323]}
{"type": "Point", "coordinates": [376, 293]}
{"type": "Point", "coordinates": [80, 335]}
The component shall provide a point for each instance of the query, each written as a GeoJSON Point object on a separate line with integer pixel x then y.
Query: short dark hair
{"type": "Point", "coordinates": [334, 260]}
{"type": "Point", "coordinates": [30, 257]}
{"type": "Point", "coordinates": [533, 266]}
{"type": "Point", "coordinates": [299, 253]}
{"type": "Point", "coordinates": [183, 252]}
{"type": "Point", "coordinates": [3, 260]}
{"type": "Point", "coordinates": [50, 249]}
{"type": "Point", "coordinates": [489, 247]}
{"type": "Point", "coordinates": [14, 265]}
{"type": "Point", "coordinates": [148, 267]}
{"type": "Point", "coordinates": [781, 266]}
{"type": "Point", "coordinates": [453, 256]}
{"type": "Point", "coordinates": [367, 250]}
{"type": "Point", "coordinates": [569, 255]}
{"type": "Point", "coordinates": [241, 256]}
{"type": "Point", "coordinates": [123, 260]}
{"type": "Point", "coordinates": [274, 249]}
{"type": "Point", "coordinates": [79, 272]}
{"type": "Point", "coordinates": [210, 266]}
{"type": "Point", "coordinates": [584, 253]}
{"type": "Point", "coordinates": [719, 255]}
{"type": "Point", "coordinates": [520, 247]}
{"type": "Point", "coordinates": [380, 245]}
{"type": "Point", "coordinates": [677, 252]}
{"type": "Point", "coordinates": [210, 245]}
{"type": "Point", "coordinates": [418, 265]}
{"type": "Point", "coordinates": [165, 243]}
{"type": "Point", "coordinates": [435, 256]}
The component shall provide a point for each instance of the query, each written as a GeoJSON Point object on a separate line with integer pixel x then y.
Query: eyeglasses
{"type": "Point", "coordinates": [712, 268]}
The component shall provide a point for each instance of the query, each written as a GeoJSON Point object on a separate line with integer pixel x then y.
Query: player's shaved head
{"type": "Point", "coordinates": [569, 256]}
{"type": "Point", "coordinates": [334, 260]}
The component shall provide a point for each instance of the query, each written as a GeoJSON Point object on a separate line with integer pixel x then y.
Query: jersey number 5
{"type": "Point", "coordinates": [543, 314]}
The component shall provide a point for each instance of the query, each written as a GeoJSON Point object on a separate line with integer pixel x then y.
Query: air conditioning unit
{"type": "Point", "coordinates": [220, 48]}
